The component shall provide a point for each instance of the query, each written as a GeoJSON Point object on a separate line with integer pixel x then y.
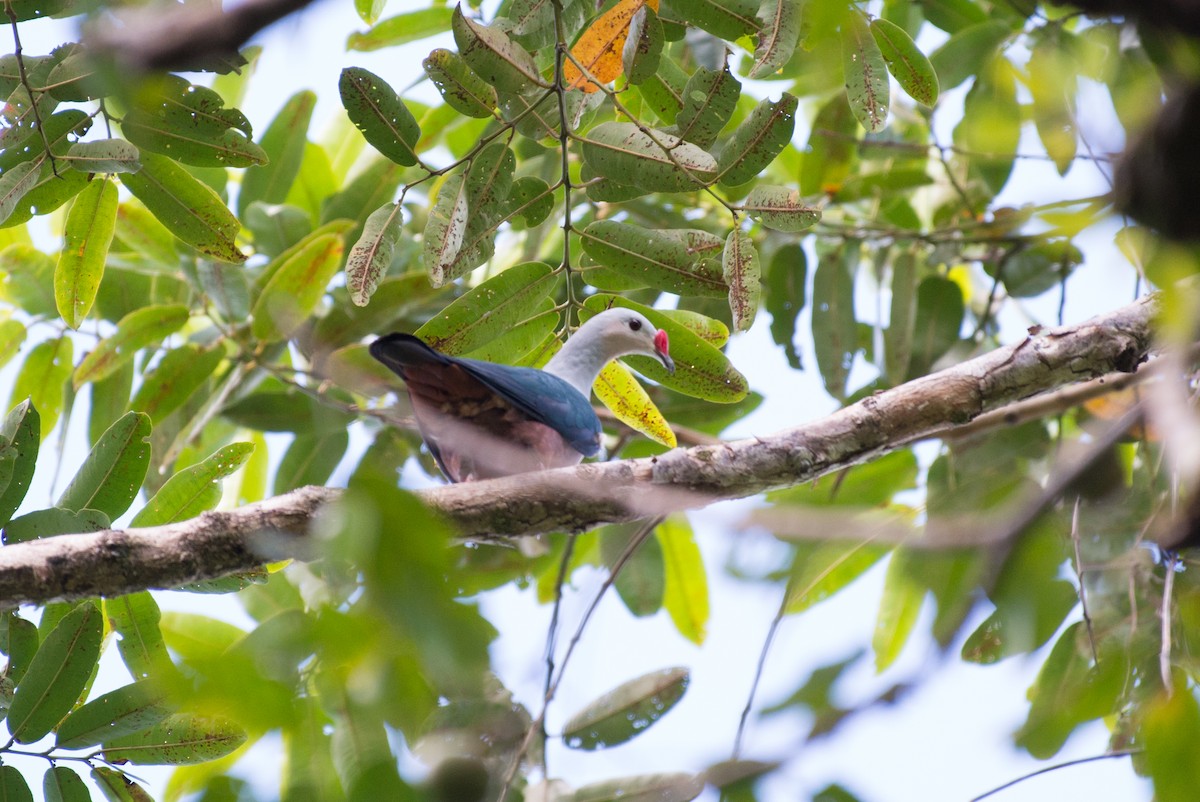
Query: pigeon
{"type": "Point", "coordinates": [482, 420]}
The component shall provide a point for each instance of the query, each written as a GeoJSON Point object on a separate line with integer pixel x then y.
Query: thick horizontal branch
{"type": "Point", "coordinates": [117, 561]}
{"type": "Point", "coordinates": [574, 499]}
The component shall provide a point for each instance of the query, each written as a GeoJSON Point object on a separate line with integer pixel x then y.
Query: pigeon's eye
{"type": "Point", "coordinates": [635, 325]}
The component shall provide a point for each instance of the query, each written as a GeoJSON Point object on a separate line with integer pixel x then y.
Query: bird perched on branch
{"type": "Point", "coordinates": [482, 420]}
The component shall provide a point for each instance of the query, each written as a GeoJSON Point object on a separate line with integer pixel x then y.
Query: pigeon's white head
{"type": "Point", "coordinates": [625, 332]}
{"type": "Point", "coordinates": [612, 333]}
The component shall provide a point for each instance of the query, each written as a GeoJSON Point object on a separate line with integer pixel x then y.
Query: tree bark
{"type": "Point", "coordinates": [216, 544]}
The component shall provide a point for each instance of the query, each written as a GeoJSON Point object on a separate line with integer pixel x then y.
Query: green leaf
{"type": "Point", "coordinates": [724, 19]}
{"type": "Point", "coordinates": [113, 472]}
{"type": "Point", "coordinates": [881, 183]}
{"type": "Point", "coordinates": [401, 29]}
{"type": "Point", "coordinates": [25, 143]}
{"type": "Point", "coordinates": [54, 521]}
{"type": "Point", "coordinates": [531, 199]}
{"type": "Point", "coordinates": [379, 113]}
{"type": "Point", "coordinates": [369, 10]}
{"type": "Point", "coordinates": [831, 148]}
{"type": "Point", "coordinates": [12, 335]}
{"type": "Point", "coordinates": [758, 140]}
{"type": "Point", "coordinates": [179, 740]}
{"type": "Point", "coordinates": [778, 31]}
{"type": "Point", "coordinates": [823, 570]}
{"type": "Point", "coordinates": [104, 156]}
{"type": "Point", "coordinates": [1169, 729]}
{"type": "Point", "coordinates": [50, 192]}
{"type": "Point", "coordinates": [284, 143]}
{"type": "Point", "coordinates": [13, 787]}
{"type": "Point", "coordinates": [990, 128]}
{"type": "Point", "coordinates": [780, 208]}
{"type": "Point", "coordinates": [1031, 271]}
{"type": "Point", "coordinates": [190, 124]}
{"type": "Point", "coordinates": [742, 272]}
{"type": "Point", "coordinates": [193, 490]}
{"type": "Point", "coordinates": [134, 618]}
{"type": "Point", "coordinates": [1069, 691]}
{"type": "Point", "coordinates": [446, 227]}
{"type": "Point", "coordinates": [642, 788]}
{"type": "Point", "coordinates": [709, 100]}
{"type": "Point", "coordinates": [642, 579]}
{"type": "Point", "coordinates": [866, 74]}
{"type": "Point", "coordinates": [487, 311]}
{"type": "Point", "coordinates": [664, 92]}
{"type": "Point", "coordinates": [190, 210]}
{"type": "Point", "coordinates": [967, 51]}
{"type": "Point", "coordinates": [701, 370]}
{"type": "Point", "coordinates": [116, 787]}
{"type": "Point", "coordinates": [139, 329]}
{"type": "Point", "coordinates": [109, 401]}
{"type": "Point", "coordinates": [124, 711]}
{"type": "Point", "coordinates": [627, 710]}
{"type": "Point", "coordinates": [952, 15]}
{"type": "Point", "coordinates": [682, 261]}
{"type": "Point", "coordinates": [1053, 83]}
{"type": "Point", "coordinates": [180, 373]}
{"type": "Point", "coordinates": [898, 337]}
{"type": "Point", "coordinates": [86, 240]}
{"type": "Point", "coordinates": [463, 90]}
{"type": "Point", "coordinates": [57, 675]}
{"type": "Point", "coordinates": [370, 189]}
{"type": "Point", "coordinates": [310, 460]}
{"type": "Point", "coordinates": [43, 380]}
{"type": "Point", "coordinates": [22, 432]}
{"type": "Point", "coordinates": [907, 64]}
{"type": "Point", "coordinates": [296, 288]}
{"type": "Point", "coordinates": [898, 611]}
{"type": "Point", "coordinates": [939, 316]}
{"type": "Point", "coordinates": [623, 153]}
{"type": "Point", "coordinates": [787, 281]}
{"type": "Point", "coordinates": [61, 784]}
{"type": "Point", "coordinates": [835, 331]}
{"type": "Point", "coordinates": [74, 79]}
{"type": "Point", "coordinates": [643, 46]}
{"type": "Point", "coordinates": [15, 184]}
{"type": "Point", "coordinates": [372, 254]}
{"type": "Point", "coordinates": [493, 55]}
{"type": "Point", "coordinates": [686, 593]}
{"type": "Point", "coordinates": [520, 342]}
{"type": "Point", "coordinates": [24, 10]}
{"type": "Point", "coordinates": [139, 231]}
{"type": "Point", "coordinates": [286, 412]}
{"type": "Point", "coordinates": [22, 644]}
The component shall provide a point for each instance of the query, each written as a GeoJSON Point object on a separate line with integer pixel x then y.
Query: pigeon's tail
{"type": "Point", "coordinates": [402, 351]}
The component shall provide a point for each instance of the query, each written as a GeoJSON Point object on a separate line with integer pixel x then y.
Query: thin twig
{"type": "Point", "coordinates": [19, 52]}
{"type": "Point", "coordinates": [761, 667]}
{"type": "Point", "coordinates": [1065, 765]}
{"type": "Point", "coordinates": [1164, 654]}
{"type": "Point", "coordinates": [1079, 571]}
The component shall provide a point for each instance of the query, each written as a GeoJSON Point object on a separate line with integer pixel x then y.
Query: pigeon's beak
{"type": "Point", "coordinates": [663, 348]}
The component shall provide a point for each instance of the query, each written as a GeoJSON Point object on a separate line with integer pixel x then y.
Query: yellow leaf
{"type": "Point", "coordinates": [627, 399]}
{"type": "Point", "coordinates": [685, 591]}
{"type": "Point", "coordinates": [599, 49]}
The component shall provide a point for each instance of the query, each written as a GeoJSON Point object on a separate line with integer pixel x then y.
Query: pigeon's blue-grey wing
{"type": "Point", "coordinates": [545, 398]}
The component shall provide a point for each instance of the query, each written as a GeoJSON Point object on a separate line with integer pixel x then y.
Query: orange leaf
{"type": "Point", "coordinates": [599, 49]}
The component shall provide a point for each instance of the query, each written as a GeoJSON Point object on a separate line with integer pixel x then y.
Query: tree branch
{"type": "Point", "coordinates": [573, 499]}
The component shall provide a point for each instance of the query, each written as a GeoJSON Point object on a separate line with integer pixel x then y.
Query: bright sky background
{"type": "Point", "coordinates": [949, 740]}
